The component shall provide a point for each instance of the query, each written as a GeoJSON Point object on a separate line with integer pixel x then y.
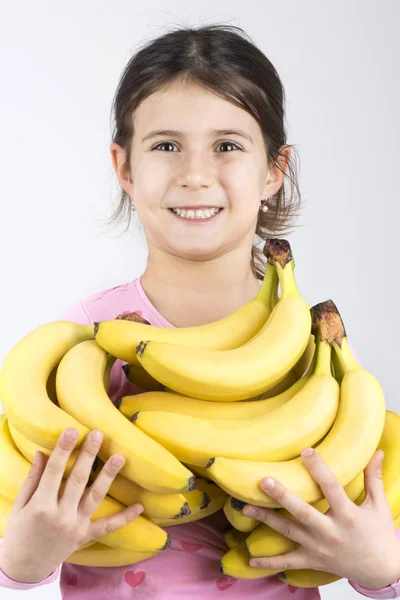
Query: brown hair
{"type": "Point", "coordinates": [224, 60]}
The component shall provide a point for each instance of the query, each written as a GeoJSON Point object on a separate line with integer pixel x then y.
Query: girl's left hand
{"type": "Point", "coordinates": [358, 543]}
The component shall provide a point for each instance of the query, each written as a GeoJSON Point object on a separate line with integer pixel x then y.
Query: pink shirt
{"type": "Point", "coordinates": [188, 569]}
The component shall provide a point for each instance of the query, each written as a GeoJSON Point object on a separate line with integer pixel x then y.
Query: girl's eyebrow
{"type": "Point", "coordinates": [174, 132]}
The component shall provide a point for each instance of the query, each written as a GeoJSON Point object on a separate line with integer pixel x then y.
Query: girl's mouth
{"type": "Point", "coordinates": [191, 218]}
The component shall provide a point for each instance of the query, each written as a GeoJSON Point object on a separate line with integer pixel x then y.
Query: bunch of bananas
{"type": "Point", "coordinates": [227, 403]}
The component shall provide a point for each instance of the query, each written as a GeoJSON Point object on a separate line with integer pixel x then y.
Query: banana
{"type": "Point", "coordinates": [81, 392]}
{"type": "Point", "coordinates": [390, 444]}
{"type": "Point", "coordinates": [233, 537]}
{"type": "Point", "coordinates": [276, 436]}
{"type": "Point", "coordinates": [138, 376]}
{"type": "Point", "coordinates": [24, 377]}
{"type": "Point", "coordinates": [99, 555]}
{"type": "Point", "coordinates": [235, 563]}
{"type": "Point", "coordinates": [306, 578]}
{"type": "Point", "coordinates": [177, 403]}
{"type": "Point", "coordinates": [120, 337]}
{"type": "Point", "coordinates": [164, 506]}
{"type": "Point", "coordinates": [233, 512]}
{"type": "Point", "coordinates": [245, 371]}
{"type": "Point", "coordinates": [216, 498]}
{"type": "Point", "coordinates": [168, 506]}
{"type": "Point", "coordinates": [141, 534]}
{"type": "Point", "coordinates": [347, 447]}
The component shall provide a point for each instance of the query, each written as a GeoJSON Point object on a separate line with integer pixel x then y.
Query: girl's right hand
{"type": "Point", "coordinates": [44, 529]}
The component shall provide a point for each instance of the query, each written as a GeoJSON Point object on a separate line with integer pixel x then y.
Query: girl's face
{"type": "Point", "coordinates": [192, 165]}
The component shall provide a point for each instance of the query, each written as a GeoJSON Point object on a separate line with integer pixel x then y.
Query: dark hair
{"type": "Point", "coordinates": [224, 60]}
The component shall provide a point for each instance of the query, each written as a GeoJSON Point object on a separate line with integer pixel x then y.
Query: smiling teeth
{"type": "Point", "coordinates": [196, 214]}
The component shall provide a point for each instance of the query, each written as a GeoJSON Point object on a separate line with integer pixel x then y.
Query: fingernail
{"type": "Point", "coordinates": [268, 483]}
{"type": "Point", "coordinates": [71, 434]}
{"type": "Point", "coordinates": [117, 461]}
{"type": "Point", "coordinates": [253, 562]}
{"type": "Point", "coordinates": [96, 436]}
{"type": "Point", "coordinates": [307, 452]}
{"type": "Point", "coordinates": [249, 511]}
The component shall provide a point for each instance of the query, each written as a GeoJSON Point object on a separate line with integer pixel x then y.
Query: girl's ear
{"type": "Point", "coordinates": [118, 157]}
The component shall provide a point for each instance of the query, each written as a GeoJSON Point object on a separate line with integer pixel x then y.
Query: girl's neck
{"type": "Point", "coordinates": [191, 293]}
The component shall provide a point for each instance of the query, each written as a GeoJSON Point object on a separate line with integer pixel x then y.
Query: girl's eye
{"type": "Point", "coordinates": [221, 144]}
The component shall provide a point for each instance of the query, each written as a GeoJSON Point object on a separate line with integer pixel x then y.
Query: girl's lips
{"type": "Point", "coordinates": [191, 220]}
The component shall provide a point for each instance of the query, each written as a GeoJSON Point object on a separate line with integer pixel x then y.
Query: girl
{"type": "Point", "coordinates": [213, 102]}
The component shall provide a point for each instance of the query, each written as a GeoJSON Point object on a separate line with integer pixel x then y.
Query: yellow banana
{"type": "Point", "coordinates": [24, 377]}
{"type": "Point", "coordinates": [217, 499]}
{"type": "Point", "coordinates": [244, 371]}
{"type": "Point", "coordinates": [166, 506]}
{"type": "Point", "coordinates": [99, 555]}
{"type": "Point", "coordinates": [276, 436]}
{"type": "Point", "coordinates": [124, 490]}
{"type": "Point", "coordinates": [185, 405]}
{"type": "Point", "coordinates": [346, 449]}
{"type": "Point", "coordinates": [233, 512]}
{"type": "Point", "coordinates": [390, 444]}
{"type": "Point", "coordinates": [233, 537]}
{"type": "Point", "coordinates": [141, 534]}
{"type": "Point", "coordinates": [138, 376]}
{"type": "Point", "coordinates": [235, 563]}
{"type": "Point", "coordinates": [120, 337]}
{"type": "Point", "coordinates": [81, 392]}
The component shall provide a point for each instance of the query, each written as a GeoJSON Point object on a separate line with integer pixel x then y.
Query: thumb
{"type": "Point", "coordinates": [30, 484]}
{"type": "Point", "coordinates": [373, 481]}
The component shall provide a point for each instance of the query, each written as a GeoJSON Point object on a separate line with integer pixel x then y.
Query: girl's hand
{"type": "Point", "coordinates": [43, 528]}
{"type": "Point", "coordinates": [358, 543]}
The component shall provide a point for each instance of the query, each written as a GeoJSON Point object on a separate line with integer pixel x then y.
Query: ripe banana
{"type": "Point", "coordinates": [141, 534]}
{"type": "Point", "coordinates": [168, 506]}
{"type": "Point", "coordinates": [177, 403]}
{"type": "Point", "coordinates": [244, 371]}
{"type": "Point", "coordinates": [233, 537]}
{"type": "Point", "coordinates": [347, 447]}
{"type": "Point", "coordinates": [81, 392]}
{"type": "Point", "coordinates": [276, 436]}
{"type": "Point", "coordinates": [216, 498]}
{"type": "Point", "coordinates": [99, 555]}
{"type": "Point", "coordinates": [164, 506]}
{"type": "Point", "coordinates": [120, 337]}
{"type": "Point", "coordinates": [233, 512]}
{"type": "Point", "coordinates": [24, 376]}
{"type": "Point", "coordinates": [138, 376]}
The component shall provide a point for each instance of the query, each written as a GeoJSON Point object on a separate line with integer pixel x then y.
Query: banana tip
{"type": "Point", "coordinates": [167, 543]}
{"type": "Point", "coordinates": [210, 463]}
{"type": "Point", "coordinates": [96, 327]}
{"type": "Point", "coordinates": [184, 512]}
{"type": "Point", "coordinates": [206, 501]}
{"type": "Point", "coordinates": [237, 504]}
{"type": "Point", "coordinates": [134, 416]}
{"type": "Point", "coordinates": [220, 567]}
{"type": "Point", "coordinates": [125, 369]}
{"type": "Point", "coordinates": [192, 483]}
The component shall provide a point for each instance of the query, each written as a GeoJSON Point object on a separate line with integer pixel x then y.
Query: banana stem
{"type": "Point", "coordinates": [287, 280]}
{"type": "Point", "coordinates": [322, 357]}
{"type": "Point", "coordinates": [268, 286]}
{"type": "Point", "coordinates": [344, 355]}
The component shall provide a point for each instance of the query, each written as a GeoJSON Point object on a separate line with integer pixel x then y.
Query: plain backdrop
{"type": "Point", "coordinates": [60, 65]}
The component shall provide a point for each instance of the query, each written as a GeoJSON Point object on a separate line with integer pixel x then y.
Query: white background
{"type": "Point", "coordinates": [339, 63]}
